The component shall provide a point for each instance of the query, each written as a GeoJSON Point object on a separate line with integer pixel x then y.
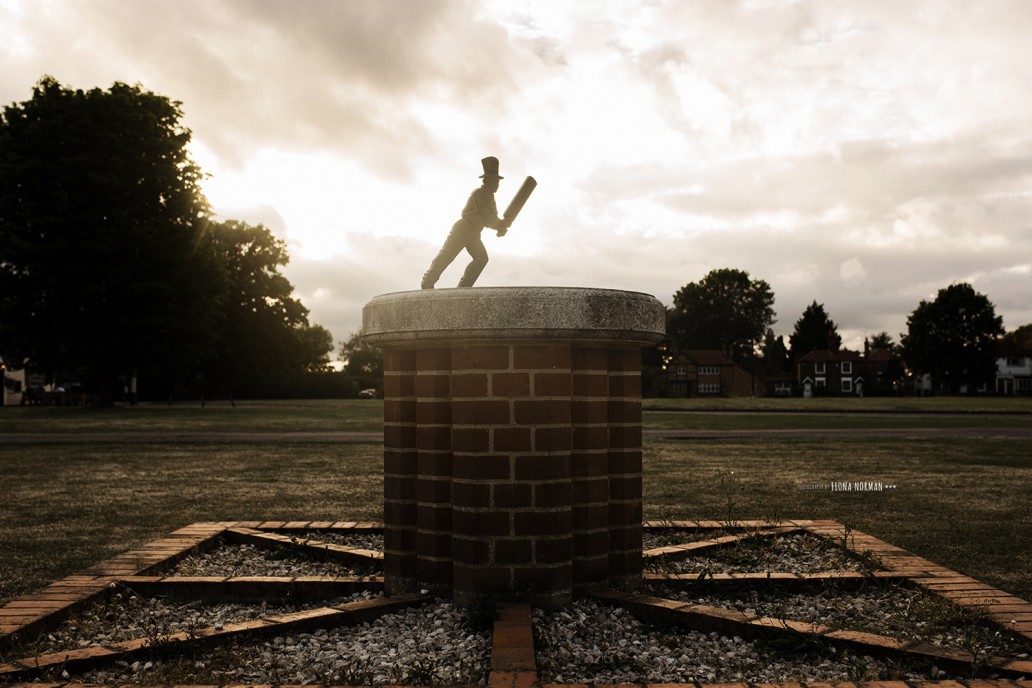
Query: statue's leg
{"type": "Point", "coordinates": [476, 250]}
{"type": "Point", "coordinates": [452, 246]}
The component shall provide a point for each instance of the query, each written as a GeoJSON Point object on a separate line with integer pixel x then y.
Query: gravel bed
{"type": "Point", "coordinates": [891, 610]}
{"type": "Point", "coordinates": [799, 553]}
{"type": "Point", "coordinates": [127, 616]}
{"type": "Point", "coordinates": [248, 560]}
{"type": "Point", "coordinates": [651, 539]}
{"type": "Point", "coordinates": [591, 643]}
{"type": "Point", "coordinates": [586, 642]}
{"type": "Point", "coordinates": [439, 643]}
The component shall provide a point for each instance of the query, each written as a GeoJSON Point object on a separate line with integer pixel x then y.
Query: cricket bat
{"type": "Point", "coordinates": [516, 205]}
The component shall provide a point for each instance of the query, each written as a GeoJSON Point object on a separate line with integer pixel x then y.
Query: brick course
{"type": "Point", "coordinates": [511, 468]}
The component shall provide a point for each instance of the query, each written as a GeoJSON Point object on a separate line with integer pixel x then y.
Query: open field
{"type": "Point", "coordinates": [959, 501]}
{"type": "Point", "coordinates": [943, 404]}
{"type": "Point", "coordinates": [360, 415]}
{"type": "Point", "coordinates": [349, 415]}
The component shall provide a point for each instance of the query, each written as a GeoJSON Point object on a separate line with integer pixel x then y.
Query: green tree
{"type": "Point", "coordinates": [316, 346]}
{"type": "Point", "coordinates": [101, 213]}
{"type": "Point", "coordinates": [264, 341]}
{"type": "Point", "coordinates": [774, 354]}
{"type": "Point", "coordinates": [725, 311]}
{"type": "Point", "coordinates": [954, 338]}
{"type": "Point", "coordinates": [883, 340]}
{"type": "Point", "coordinates": [813, 331]}
{"type": "Point", "coordinates": [1017, 344]}
{"type": "Point", "coordinates": [362, 361]}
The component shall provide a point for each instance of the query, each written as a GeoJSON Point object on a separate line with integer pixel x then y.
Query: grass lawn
{"type": "Point", "coordinates": [959, 502]}
{"type": "Point", "coordinates": [337, 415]}
{"type": "Point", "coordinates": [962, 503]}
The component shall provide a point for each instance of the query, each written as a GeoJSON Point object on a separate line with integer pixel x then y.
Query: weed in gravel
{"type": "Point", "coordinates": [729, 489]}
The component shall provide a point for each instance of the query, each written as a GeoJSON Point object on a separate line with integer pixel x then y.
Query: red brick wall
{"type": "Point", "coordinates": [512, 469]}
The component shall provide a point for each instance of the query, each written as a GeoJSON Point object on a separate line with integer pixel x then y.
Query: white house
{"type": "Point", "coordinates": [1014, 375]}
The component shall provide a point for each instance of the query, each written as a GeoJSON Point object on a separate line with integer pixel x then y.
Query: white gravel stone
{"type": "Point", "coordinates": [591, 643]}
{"type": "Point", "coordinates": [434, 644]}
{"type": "Point", "coordinates": [585, 642]}
{"type": "Point", "coordinates": [127, 616]}
{"type": "Point", "coordinates": [889, 610]}
{"type": "Point", "coordinates": [248, 560]}
{"type": "Point", "coordinates": [799, 553]}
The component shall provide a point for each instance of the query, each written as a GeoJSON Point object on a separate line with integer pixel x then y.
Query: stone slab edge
{"type": "Point", "coordinates": [514, 314]}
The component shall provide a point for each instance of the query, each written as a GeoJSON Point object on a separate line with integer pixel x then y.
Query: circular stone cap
{"type": "Point", "coordinates": [514, 313]}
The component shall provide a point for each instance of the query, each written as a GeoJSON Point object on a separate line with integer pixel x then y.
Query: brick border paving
{"type": "Point", "coordinates": [513, 662]}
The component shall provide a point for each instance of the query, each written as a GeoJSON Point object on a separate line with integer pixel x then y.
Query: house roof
{"type": "Point", "coordinates": [820, 356]}
{"type": "Point", "coordinates": [880, 355]}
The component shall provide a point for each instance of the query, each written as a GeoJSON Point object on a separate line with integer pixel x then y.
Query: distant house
{"type": "Point", "coordinates": [780, 385]}
{"type": "Point", "coordinates": [831, 373]}
{"type": "Point", "coordinates": [882, 370]}
{"type": "Point", "coordinates": [877, 371]}
{"type": "Point", "coordinates": [704, 374]}
{"type": "Point", "coordinates": [1014, 367]}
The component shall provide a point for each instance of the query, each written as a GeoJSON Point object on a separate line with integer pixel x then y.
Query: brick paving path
{"type": "Point", "coordinates": [512, 662]}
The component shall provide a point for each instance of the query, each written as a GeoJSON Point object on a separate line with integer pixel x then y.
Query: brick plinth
{"type": "Point", "coordinates": [512, 440]}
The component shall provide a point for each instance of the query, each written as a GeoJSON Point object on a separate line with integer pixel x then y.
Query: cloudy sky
{"type": "Point", "coordinates": [862, 154]}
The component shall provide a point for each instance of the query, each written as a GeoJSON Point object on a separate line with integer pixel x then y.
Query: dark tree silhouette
{"type": "Point", "coordinates": [813, 331]}
{"type": "Point", "coordinates": [725, 311]}
{"type": "Point", "coordinates": [110, 264]}
{"type": "Point", "coordinates": [954, 338]}
{"type": "Point", "coordinates": [101, 214]}
{"type": "Point", "coordinates": [362, 361]}
{"type": "Point", "coordinates": [883, 340]}
{"type": "Point", "coordinates": [263, 341]}
{"type": "Point", "coordinates": [774, 354]}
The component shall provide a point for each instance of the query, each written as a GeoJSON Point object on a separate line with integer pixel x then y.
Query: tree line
{"type": "Point", "coordinates": [955, 338]}
{"type": "Point", "coordinates": [113, 269]}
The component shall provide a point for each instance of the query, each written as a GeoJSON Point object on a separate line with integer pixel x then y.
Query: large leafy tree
{"type": "Point", "coordinates": [883, 340]}
{"type": "Point", "coordinates": [101, 214]}
{"type": "Point", "coordinates": [1017, 343]}
{"type": "Point", "coordinates": [954, 338]}
{"type": "Point", "coordinates": [774, 354]}
{"type": "Point", "coordinates": [110, 264]}
{"type": "Point", "coordinates": [813, 331]}
{"type": "Point", "coordinates": [362, 361]}
{"type": "Point", "coordinates": [262, 341]}
{"type": "Point", "coordinates": [725, 310]}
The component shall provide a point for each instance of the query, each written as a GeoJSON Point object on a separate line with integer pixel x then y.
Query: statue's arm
{"type": "Point", "coordinates": [488, 211]}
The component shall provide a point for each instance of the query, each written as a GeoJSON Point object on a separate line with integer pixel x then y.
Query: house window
{"type": "Point", "coordinates": [847, 385]}
{"type": "Point", "coordinates": [1023, 384]}
{"type": "Point", "coordinates": [709, 370]}
{"type": "Point", "coordinates": [847, 367]}
{"type": "Point", "coordinates": [682, 370]}
{"type": "Point", "coordinates": [818, 368]}
{"type": "Point", "coordinates": [820, 383]}
{"type": "Point", "coordinates": [709, 388]}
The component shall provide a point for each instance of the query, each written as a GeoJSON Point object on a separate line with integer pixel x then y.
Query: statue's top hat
{"type": "Point", "coordinates": [490, 168]}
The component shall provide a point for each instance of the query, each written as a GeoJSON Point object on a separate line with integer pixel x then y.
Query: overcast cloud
{"type": "Point", "coordinates": [861, 154]}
